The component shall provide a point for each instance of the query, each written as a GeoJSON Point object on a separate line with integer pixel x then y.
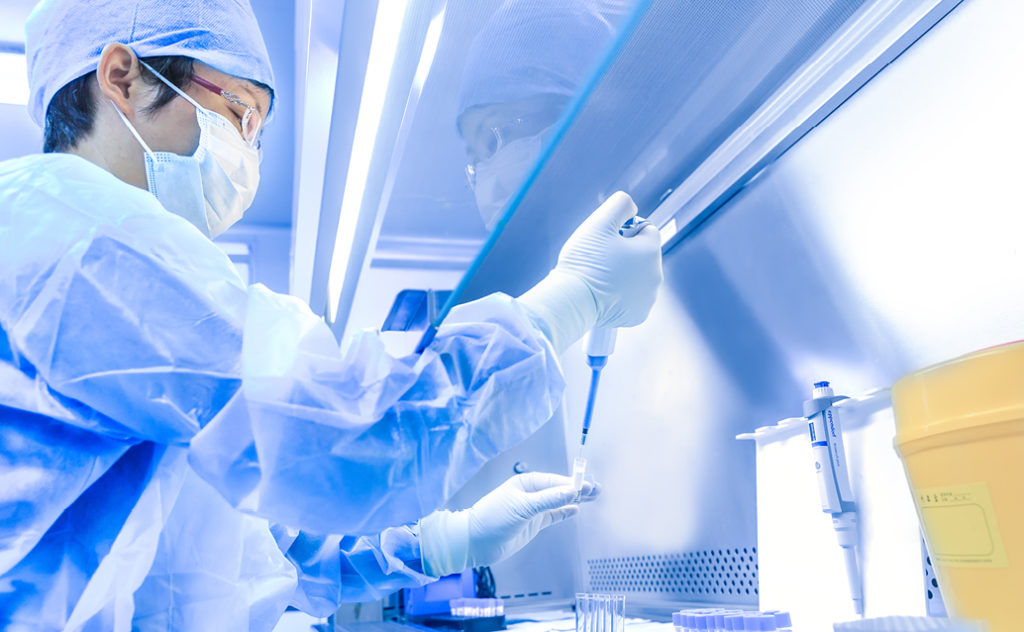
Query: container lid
{"type": "Point", "coordinates": [734, 622]}
{"type": "Point", "coordinates": [782, 619]}
{"type": "Point", "coordinates": [759, 623]}
{"type": "Point", "coordinates": [984, 387]}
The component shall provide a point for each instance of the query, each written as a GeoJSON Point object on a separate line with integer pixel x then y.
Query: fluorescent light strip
{"type": "Point", "coordinates": [383, 47]}
{"type": "Point", "coordinates": [13, 79]}
{"type": "Point", "coordinates": [430, 43]}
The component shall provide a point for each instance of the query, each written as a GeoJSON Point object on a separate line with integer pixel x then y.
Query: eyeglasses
{"type": "Point", "coordinates": [252, 122]}
{"type": "Point", "coordinates": [490, 137]}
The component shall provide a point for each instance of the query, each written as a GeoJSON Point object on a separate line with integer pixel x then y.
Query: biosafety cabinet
{"type": "Point", "coordinates": [836, 183]}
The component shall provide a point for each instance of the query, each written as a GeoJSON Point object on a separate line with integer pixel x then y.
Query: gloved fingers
{"type": "Point", "coordinates": [536, 503]}
{"type": "Point", "coordinates": [649, 232]}
{"type": "Point", "coordinates": [647, 243]}
{"type": "Point", "coordinates": [555, 516]}
{"type": "Point", "coordinates": [589, 492]}
{"type": "Point", "coordinates": [538, 481]}
{"type": "Point", "coordinates": [614, 212]}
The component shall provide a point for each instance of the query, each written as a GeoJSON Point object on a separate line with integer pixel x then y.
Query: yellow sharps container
{"type": "Point", "coordinates": [960, 433]}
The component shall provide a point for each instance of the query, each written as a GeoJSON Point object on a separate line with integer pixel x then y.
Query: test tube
{"type": "Point", "coordinates": [734, 623]}
{"type": "Point", "coordinates": [582, 612]}
{"type": "Point", "coordinates": [600, 613]}
{"type": "Point", "coordinates": [618, 606]}
{"type": "Point", "coordinates": [579, 471]}
{"type": "Point", "coordinates": [592, 614]}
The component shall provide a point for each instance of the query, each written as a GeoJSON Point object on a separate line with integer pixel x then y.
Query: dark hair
{"type": "Point", "coordinates": [70, 114]}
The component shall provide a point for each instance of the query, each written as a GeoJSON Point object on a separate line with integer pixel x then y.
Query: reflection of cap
{"type": "Point", "coordinates": [533, 47]}
{"type": "Point", "coordinates": [64, 39]}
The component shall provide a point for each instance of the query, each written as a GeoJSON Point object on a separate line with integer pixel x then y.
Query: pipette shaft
{"type": "Point", "coordinates": [588, 415]}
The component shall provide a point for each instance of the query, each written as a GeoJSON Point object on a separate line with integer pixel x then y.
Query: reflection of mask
{"type": "Point", "coordinates": [212, 187]}
{"type": "Point", "coordinates": [499, 177]}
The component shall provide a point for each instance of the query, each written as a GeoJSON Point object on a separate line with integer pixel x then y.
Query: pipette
{"type": "Point", "coordinates": [598, 344]}
{"type": "Point", "coordinates": [832, 470]}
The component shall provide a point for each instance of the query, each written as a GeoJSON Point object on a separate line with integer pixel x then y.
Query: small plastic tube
{"type": "Point", "coordinates": [583, 614]}
{"type": "Point", "coordinates": [734, 623]}
{"type": "Point", "coordinates": [579, 470]}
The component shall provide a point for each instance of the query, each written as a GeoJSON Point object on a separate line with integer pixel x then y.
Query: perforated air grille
{"type": "Point", "coordinates": [717, 575]}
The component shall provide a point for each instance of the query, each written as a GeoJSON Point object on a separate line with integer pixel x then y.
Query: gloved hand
{"type": "Point", "coordinates": [499, 524]}
{"type": "Point", "coordinates": [619, 274]}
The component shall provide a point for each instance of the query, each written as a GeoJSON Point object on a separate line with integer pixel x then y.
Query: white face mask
{"type": "Point", "coordinates": [499, 177]}
{"type": "Point", "coordinates": [212, 187]}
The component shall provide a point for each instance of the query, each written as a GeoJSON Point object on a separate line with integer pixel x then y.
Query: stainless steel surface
{"type": "Point", "coordinates": [379, 626]}
{"type": "Point", "coordinates": [887, 239]}
{"type": "Point", "coordinates": [718, 575]}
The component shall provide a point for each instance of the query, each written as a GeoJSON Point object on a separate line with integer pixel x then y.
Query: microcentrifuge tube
{"type": "Point", "coordinates": [579, 469]}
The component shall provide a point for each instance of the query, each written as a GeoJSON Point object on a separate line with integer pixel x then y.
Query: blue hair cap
{"type": "Point", "coordinates": [64, 39]}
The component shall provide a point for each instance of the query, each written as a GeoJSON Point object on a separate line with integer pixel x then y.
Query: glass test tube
{"type": "Point", "coordinates": [600, 613]}
{"type": "Point", "coordinates": [618, 613]}
{"type": "Point", "coordinates": [582, 608]}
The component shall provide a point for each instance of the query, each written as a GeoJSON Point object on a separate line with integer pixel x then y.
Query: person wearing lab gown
{"type": "Point", "coordinates": [179, 450]}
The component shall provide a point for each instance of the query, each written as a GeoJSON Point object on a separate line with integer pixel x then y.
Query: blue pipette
{"type": "Point", "coordinates": [598, 344]}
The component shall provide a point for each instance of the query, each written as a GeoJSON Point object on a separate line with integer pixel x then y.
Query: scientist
{"type": "Point", "coordinates": [177, 448]}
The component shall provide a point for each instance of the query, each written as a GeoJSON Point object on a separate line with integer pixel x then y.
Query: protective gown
{"type": "Point", "coordinates": [172, 442]}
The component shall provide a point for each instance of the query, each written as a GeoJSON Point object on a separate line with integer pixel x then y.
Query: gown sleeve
{"type": "Point", "coordinates": [336, 569]}
{"type": "Point", "coordinates": [144, 323]}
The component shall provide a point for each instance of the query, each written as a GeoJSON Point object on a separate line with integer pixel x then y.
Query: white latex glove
{"type": "Point", "coordinates": [500, 523]}
{"type": "Point", "coordinates": [620, 275]}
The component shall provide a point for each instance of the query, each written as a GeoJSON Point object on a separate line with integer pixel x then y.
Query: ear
{"type": "Point", "coordinates": [119, 77]}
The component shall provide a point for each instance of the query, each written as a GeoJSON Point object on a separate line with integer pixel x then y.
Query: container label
{"type": "Point", "coordinates": [960, 523]}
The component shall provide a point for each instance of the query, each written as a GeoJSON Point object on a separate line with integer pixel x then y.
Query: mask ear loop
{"type": "Point", "coordinates": [131, 128]}
{"type": "Point", "coordinates": [170, 85]}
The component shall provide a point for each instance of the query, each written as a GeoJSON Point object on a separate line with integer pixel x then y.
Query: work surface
{"type": "Point", "coordinates": [564, 620]}
{"type": "Point", "coordinates": [561, 620]}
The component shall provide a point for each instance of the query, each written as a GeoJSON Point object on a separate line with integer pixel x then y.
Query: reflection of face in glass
{"type": "Point", "coordinates": [497, 179]}
{"type": "Point", "coordinates": [503, 141]}
{"type": "Point", "coordinates": [521, 70]}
